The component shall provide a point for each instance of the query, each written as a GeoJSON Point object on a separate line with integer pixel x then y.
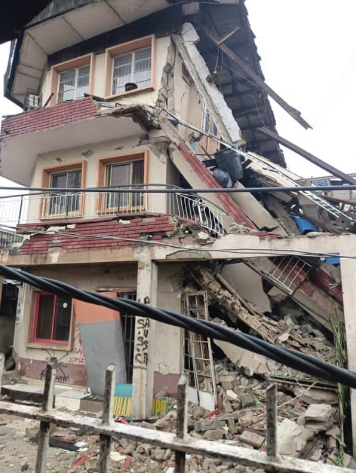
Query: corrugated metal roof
{"type": "Point", "coordinates": [58, 7]}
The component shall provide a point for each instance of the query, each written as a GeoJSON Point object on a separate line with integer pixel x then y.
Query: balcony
{"type": "Point", "coordinates": [59, 208]}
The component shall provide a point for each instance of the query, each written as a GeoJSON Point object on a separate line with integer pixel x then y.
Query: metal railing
{"type": "Point", "coordinates": [9, 239]}
{"type": "Point", "coordinates": [181, 443]}
{"type": "Point", "coordinates": [34, 208]}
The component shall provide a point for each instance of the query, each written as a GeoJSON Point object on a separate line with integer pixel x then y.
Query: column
{"type": "Point", "coordinates": [142, 382]}
{"type": "Point", "coordinates": [348, 275]}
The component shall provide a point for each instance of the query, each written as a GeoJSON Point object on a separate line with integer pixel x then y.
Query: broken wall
{"type": "Point", "coordinates": [248, 284]}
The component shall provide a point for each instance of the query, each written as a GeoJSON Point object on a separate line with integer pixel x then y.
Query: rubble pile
{"type": "Point", "coordinates": [285, 332]}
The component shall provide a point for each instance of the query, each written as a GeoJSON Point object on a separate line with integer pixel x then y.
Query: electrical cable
{"type": "Point", "coordinates": [217, 190]}
{"type": "Point", "coordinates": [296, 360]}
{"type": "Point", "coordinates": [237, 251]}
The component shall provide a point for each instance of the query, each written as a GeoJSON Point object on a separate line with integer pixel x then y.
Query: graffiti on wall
{"type": "Point", "coordinates": [141, 344]}
{"type": "Point", "coordinates": [78, 356]}
{"type": "Point", "coordinates": [61, 376]}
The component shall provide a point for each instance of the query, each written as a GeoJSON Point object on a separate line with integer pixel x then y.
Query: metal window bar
{"type": "Point", "coordinates": [181, 443]}
{"type": "Point", "coordinates": [198, 348]}
{"type": "Point", "coordinates": [128, 327]}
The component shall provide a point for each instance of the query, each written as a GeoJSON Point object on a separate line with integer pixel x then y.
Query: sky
{"type": "Point", "coordinates": [308, 51]}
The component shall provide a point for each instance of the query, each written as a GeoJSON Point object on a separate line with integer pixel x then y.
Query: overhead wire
{"type": "Point", "coordinates": [223, 190]}
{"type": "Point", "coordinates": [237, 251]}
{"type": "Point", "coordinates": [292, 358]}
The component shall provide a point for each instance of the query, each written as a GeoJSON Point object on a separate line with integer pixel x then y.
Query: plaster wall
{"type": "Point", "coordinates": [90, 154]}
{"type": "Point", "coordinates": [31, 361]}
{"type": "Point", "coordinates": [146, 97]}
{"type": "Point", "coordinates": [168, 340]}
{"type": "Point", "coordinates": [166, 350]}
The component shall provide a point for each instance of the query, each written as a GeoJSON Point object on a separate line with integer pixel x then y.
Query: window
{"type": "Point", "coordinates": [208, 146]}
{"type": "Point", "coordinates": [53, 317]}
{"type": "Point", "coordinates": [73, 84]}
{"type": "Point", "coordinates": [128, 328]}
{"type": "Point", "coordinates": [122, 171]}
{"type": "Point", "coordinates": [130, 63]}
{"type": "Point", "coordinates": [70, 80]}
{"type": "Point", "coordinates": [134, 67]}
{"type": "Point", "coordinates": [64, 202]}
{"type": "Point", "coordinates": [209, 125]}
{"type": "Point", "coordinates": [121, 175]}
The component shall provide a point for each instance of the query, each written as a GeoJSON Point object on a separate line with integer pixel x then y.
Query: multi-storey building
{"type": "Point", "coordinates": [106, 87]}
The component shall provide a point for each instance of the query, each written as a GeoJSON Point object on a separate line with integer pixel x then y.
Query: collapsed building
{"type": "Point", "coordinates": [164, 98]}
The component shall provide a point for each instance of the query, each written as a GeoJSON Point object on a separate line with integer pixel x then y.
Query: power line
{"type": "Point", "coordinates": [129, 190]}
{"type": "Point", "coordinates": [237, 251]}
{"type": "Point", "coordinates": [296, 360]}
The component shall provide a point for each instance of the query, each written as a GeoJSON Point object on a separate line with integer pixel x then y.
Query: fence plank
{"type": "Point", "coordinates": [271, 420]}
{"type": "Point", "coordinates": [182, 422]}
{"type": "Point", "coordinates": [107, 419]}
{"type": "Point", "coordinates": [47, 407]}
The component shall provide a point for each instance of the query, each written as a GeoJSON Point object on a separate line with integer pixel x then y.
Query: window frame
{"type": "Point", "coordinates": [46, 182]}
{"type": "Point", "coordinates": [133, 59]}
{"type": "Point", "coordinates": [121, 50]}
{"type": "Point", "coordinates": [206, 143]}
{"type": "Point", "coordinates": [75, 88]}
{"type": "Point", "coordinates": [87, 60]}
{"type": "Point", "coordinates": [34, 342]}
{"type": "Point", "coordinates": [103, 163]}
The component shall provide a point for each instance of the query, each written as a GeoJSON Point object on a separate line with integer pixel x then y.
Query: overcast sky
{"type": "Point", "coordinates": [308, 51]}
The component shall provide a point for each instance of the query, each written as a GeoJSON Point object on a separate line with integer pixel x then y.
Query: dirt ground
{"type": "Point", "coordinates": [18, 447]}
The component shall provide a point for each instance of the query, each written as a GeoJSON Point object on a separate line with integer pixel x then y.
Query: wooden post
{"type": "Point", "coordinates": [271, 420]}
{"type": "Point", "coordinates": [2, 364]}
{"type": "Point", "coordinates": [182, 422]}
{"type": "Point", "coordinates": [47, 406]}
{"type": "Point", "coordinates": [108, 408]}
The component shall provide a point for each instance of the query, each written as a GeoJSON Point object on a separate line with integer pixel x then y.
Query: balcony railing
{"type": "Point", "coordinates": [35, 208]}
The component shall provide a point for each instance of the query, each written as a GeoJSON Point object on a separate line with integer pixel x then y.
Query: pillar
{"type": "Point", "coordinates": [348, 275]}
{"type": "Point", "coordinates": [143, 369]}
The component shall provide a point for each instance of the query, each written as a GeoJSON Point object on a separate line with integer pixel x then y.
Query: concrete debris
{"type": "Point", "coordinates": [318, 417]}
{"type": "Point", "coordinates": [208, 424]}
{"type": "Point", "coordinates": [252, 439]}
{"type": "Point", "coordinates": [292, 438]}
{"type": "Point", "coordinates": [316, 396]}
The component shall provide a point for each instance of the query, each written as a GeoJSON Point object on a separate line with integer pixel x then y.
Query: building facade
{"type": "Point", "coordinates": [108, 89]}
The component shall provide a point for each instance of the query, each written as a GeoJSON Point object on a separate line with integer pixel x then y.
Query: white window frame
{"type": "Point", "coordinates": [76, 82]}
{"type": "Point", "coordinates": [133, 55]}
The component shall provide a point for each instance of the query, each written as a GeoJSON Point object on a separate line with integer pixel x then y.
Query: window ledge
{"type": "Point", "coordinates": [148, 88]}
{"type": "Point", "coordinates": [50, 346]}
